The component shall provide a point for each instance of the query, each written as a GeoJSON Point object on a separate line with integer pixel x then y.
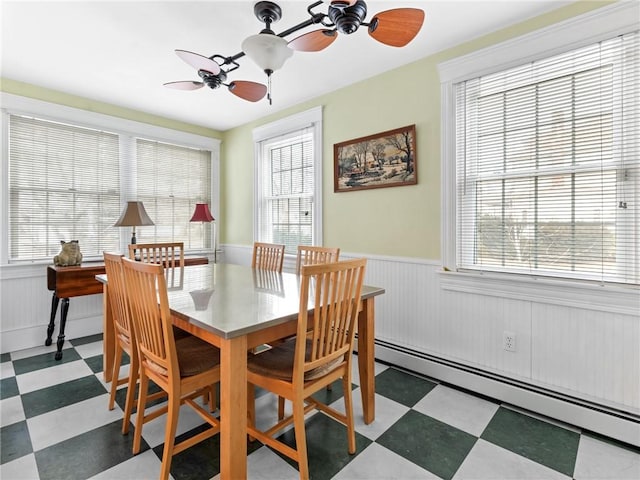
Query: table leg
{"type": "Point", "coordinates": [366, 359]}
{"type": "Point", "coordinates": [52, 319]}
{"type": "Point", "coordinates": [108, 337]}
{"type": "Point", "coordinates": [233, 408]}
{"type": "Point", "coordinates": [64, 310]}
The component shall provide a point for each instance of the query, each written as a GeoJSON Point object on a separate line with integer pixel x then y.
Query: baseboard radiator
{"type": "Point", "coordinates": [617, 424]}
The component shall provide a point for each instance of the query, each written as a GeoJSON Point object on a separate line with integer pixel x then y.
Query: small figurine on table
{"type": "Point", "coordinates": [69, 254]}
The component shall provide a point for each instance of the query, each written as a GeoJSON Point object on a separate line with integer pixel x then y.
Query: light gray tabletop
{"type": "Point", "coordinates": [232, 300]}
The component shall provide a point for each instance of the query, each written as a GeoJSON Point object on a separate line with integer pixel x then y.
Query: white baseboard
{"type": "Point", "coordinates": [595, 419]}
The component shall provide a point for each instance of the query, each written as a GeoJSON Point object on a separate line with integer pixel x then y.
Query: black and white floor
{"type": "Point", "coordinates": [55, 425]}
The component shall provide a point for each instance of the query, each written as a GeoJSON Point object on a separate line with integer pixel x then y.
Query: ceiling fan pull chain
{"type": "Point", "coordinates": [269, 89]}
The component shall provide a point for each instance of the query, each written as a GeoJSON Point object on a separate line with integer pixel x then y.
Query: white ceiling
{"type": "Point", "coordinates": [121, 52]}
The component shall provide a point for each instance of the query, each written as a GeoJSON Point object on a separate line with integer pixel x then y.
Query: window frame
{"type": "Point", "coordinates": [592, 27]}
{"type": "Point", "coordinates": [309, 118]}
{"type": "Point", "coordinates": [128, 131]}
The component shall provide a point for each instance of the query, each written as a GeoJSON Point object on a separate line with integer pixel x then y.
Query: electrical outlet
{"type": "Point", "coordinates": [509, 341]}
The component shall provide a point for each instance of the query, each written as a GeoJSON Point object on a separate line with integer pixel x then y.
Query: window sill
{"type": "Point", "coordinates": [606, 298]}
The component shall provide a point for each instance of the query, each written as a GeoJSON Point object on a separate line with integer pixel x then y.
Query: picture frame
{"type": "Point", "coordinates": [385, 159]}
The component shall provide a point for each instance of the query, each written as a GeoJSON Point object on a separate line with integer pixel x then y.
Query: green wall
{"type": "Point", "coordinates": [400, 221]}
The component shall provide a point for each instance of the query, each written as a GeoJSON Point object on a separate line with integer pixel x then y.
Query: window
{"type": "Point", "coordinates": [64, 184]}
{"type": "Point", "coordinates": [171, 179]}
{"type": "Point", "coordinates": [68, 174]}
{"type": "Point", "coordinates": [288, 160]}
{"type": "Point", "coordinates": [547, 165]}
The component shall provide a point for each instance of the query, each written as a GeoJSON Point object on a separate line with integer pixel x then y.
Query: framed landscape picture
{"type": "Point", "coordinates": [386, 159]}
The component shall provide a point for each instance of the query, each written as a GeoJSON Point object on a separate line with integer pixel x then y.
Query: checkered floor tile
{"type": "Point", "coordinates": [55, 425]}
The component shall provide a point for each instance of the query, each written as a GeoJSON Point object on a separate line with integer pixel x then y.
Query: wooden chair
{"type": "Point", "coordinates": [267, 256]}
{"type": "Point", "coordinates": [170, 255]}
{"type": "Point", "coordinates": [311, 255]}
{"type": "Point", "coordinates": [305, 364]}
{"type": "Point", "coordinates": [184, 368]}
{"type": "Point", "coordinates": [125, 339]}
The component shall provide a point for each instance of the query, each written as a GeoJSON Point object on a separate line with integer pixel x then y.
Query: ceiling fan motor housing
{"type": "Point", "coordinates": [347, 20]}
{"type": "Point", "coordinates": [212, 81]}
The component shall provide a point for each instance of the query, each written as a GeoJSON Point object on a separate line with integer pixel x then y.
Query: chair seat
{"type": "Point", "coordinates": [278, 362]}
{"type": "Point", "coordinates": [195, 356]}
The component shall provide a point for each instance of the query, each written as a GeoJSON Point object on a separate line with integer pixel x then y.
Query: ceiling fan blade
{"type": "Point", "coordinates": [185, 85]}
{"type": "Point", "coordinates": [396, 27]}
{"type": "Point", "coordinates": [246, 90]}
{"type": "Point", "coordinates": [199, 62]}
{"type": "Point", "coordinates": [313, 41]}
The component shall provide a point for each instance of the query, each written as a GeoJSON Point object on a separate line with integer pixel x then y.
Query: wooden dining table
{"type": "Point", "coordinates": [237, 308]}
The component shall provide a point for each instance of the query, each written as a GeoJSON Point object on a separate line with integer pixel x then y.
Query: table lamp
{"type": "Point", "coordinates": [203, 214]}
{"type": "Point", "coordinates": [134, 215]}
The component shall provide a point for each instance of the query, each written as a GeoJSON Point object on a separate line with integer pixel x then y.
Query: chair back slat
{"type": "Point", "coordinates": [147, 293]}
{"type": "Point", "coordinates": [334, 289]}
{"type": "Point", "coordinates": [312, 255]}
{"type": "Point", "coordinates": [267, 256]}
{"type": "Point", "coordinates": [116, 294]}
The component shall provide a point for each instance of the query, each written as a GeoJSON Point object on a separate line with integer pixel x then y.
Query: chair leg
{"type": "Point", "coordinates": [170, 434]}
{"type": "Point", "coordinates": [212, 398]}
{"type": "Point", "coordinates": [142, 401]}
{"type": "Point", "coordinates": [115, 376]}
{"type": "Point", "coordinates": [280, 408]}
{"type": "Point", "coordinates": [348, 407]}
{"type": "Point", "coordinates": [301, 439]}
{"type": "Point", "coordinates": [251, 408]}
{"type": "Point", "coordinates": [131, 395]}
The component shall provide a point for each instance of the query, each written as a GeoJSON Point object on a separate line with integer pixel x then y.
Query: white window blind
{"type": "Point", "coordinates": [64, 184]}
{"type": "Point", "coordinates": [287, 189]}
{"type": "Point", "coordinates": [548, 164]}
{"type": "Point", "coordinates": [171, 179]}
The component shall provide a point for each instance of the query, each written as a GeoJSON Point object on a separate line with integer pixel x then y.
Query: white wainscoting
{"type": "Point", "coordinates": [577, 359]}
{"type": "Point", "coordinates": [25, 308]}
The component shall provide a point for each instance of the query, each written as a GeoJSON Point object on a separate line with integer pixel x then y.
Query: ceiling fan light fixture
{"type": "Point", "coordinates": [268, 51]}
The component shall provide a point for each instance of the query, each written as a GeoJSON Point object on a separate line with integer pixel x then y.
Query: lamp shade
{"type": "Point", "coordinates": [202, 213]}
{"type": "Point", "coordinates": [134, 215]}
{"type": "Point", "coordinates": [268, 51]}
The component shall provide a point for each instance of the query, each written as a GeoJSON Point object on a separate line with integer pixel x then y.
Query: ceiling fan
{"type": "Point", "coordinates": [395, 27]}
{"type": "Point", "coordinates": [213, 76]}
